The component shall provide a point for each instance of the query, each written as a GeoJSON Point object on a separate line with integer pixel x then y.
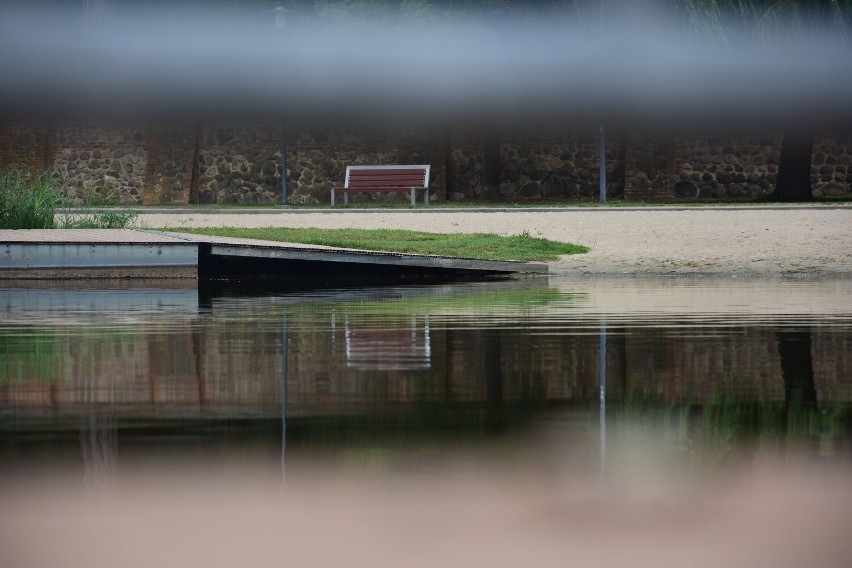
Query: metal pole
{"type": "Point", "coordinates": [602, 383]}
{"type": "Point", "coordinates": [602, 149]}
{"type": "Point", "coordinates": [284, 360]}
{"type": "Point", "coordinates": [285, 198]}
{"type": "Point", "coordinates": [602, 158]}
{"type": "Point", "coordinates": [280, 23]}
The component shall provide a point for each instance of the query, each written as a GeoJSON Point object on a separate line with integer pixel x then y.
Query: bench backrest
{"type": "Point", "coordinates": [387, 176]}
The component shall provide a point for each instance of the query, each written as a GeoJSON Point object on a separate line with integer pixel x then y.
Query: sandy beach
{"type": "Point", "coordinates": [814, 241]}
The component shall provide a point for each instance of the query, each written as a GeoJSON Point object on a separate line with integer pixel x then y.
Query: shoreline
{"type": "Point", "coordinates": [714, 242]}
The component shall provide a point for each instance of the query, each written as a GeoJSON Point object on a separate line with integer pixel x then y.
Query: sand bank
{"type": "Point", "coordinates": [742, 241]}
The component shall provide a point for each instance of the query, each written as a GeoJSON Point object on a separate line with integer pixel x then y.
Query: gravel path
{"type": "Point", "coordinates": [747, 241]}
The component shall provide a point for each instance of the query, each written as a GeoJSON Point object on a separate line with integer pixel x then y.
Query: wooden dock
{"type": "Point", "coordinates": [138, 253]}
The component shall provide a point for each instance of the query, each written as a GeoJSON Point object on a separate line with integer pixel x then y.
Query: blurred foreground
{"type": "Point", "coordinates": [759, 516]}
{"type": "Point", "coordinates": [541, 423]}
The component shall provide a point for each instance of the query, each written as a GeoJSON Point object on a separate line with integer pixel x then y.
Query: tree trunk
{"type": "Point", "coordinates": [800, 394]}
{"type": "Point", "coordinates": [794, 168]}
{"type": "Point", "coordinates": [794, 348]}
{"type": "Point", "coordinates": [493, 371]}
{"type": "Point", "coordinates": [491, 166]}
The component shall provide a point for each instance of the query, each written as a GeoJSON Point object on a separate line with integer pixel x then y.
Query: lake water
{"type": "Point", "coordinates": [583, 372]}
{"type": "Point", "coordinates": [539, 422]}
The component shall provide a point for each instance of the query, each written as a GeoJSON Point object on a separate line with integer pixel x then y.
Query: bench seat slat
{"type": "Point", "coordinates": [369, 188]}
{"type": "Point", "coordinates": [398, 172]}
{"type": "Point", "coordinates": [418, 177]}
{"type": "Point", "coordinates": [403, 179]}
{"type": "Point", "coordinates": [371, 175]}
{"type": "Point", "coordinates": [386, 182]}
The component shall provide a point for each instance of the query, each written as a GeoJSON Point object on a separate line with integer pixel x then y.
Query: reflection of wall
{"type": "Point", "coordinates": [108, 369]}
{"type": "Point", "coordinates": [319, 374]}
{"type": "Point", "coordinates": [238, 366]}
{"type": "Point", "coordinates": [228, 366]}
{"type": "Point", "coordinates": [738, 364]}
{"type": "Point", "coordinates": [832, 360]}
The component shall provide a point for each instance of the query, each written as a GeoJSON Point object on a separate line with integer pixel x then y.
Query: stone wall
{"type": "Point", "coordinates": [170, 159]}
{"type": "Point", "coordinates": [179, 163]}
{"type": "Point", "coordinates": [238, 164]}
{"type": "Point", "coordinates": [704, 167]}
{"type": "Point", "coordinates": [538, 170]}
{"type": "Point", "coordinates": [830, 165]}
{"type": "Point", "coordinates": [733, 168]}
{"type": "Point", "coordinates": [105, 161]}
{"type": "Point", "coordinates": [25, 144]}
{"type": "Point", "coordinates": [730, 168]}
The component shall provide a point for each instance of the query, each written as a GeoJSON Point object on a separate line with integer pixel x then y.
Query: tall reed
{"type": "Point", "coordinates": [28, 199]}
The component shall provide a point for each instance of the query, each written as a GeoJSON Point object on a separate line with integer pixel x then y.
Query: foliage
{"type": "Point", "coordinates": [28, 200]}
{"type": "Point", "coordinates": [459, 11]}
{"type": "Point", "coordinates": [31, 200]}
{"type": "Point", "coordinates": [478, 301]}
{"type": "Point", "coordinates": [462, 245]}
{"type": "Point", "coordinates": [28, 356]}
{"type": "Point", "coordinates": [767, 21]}
{"type": "Point", "coordinates": [82, 219]}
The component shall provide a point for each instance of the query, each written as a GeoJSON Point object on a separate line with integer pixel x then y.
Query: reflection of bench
{"type": "Point", "coordinates": [384, 178]}
{"type": "Point", "coordinates": [405, 346]}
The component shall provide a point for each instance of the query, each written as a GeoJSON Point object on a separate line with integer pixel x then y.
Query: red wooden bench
{"type": "Point", "coordinates": [384, 178]}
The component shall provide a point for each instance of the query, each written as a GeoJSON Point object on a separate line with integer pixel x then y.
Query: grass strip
{"type": "Point", "coordinates": [483, 246]}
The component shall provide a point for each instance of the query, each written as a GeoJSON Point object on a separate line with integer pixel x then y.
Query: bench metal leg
{"type": "Point", "coordinates": [426, 197]}
{"type": "Point", "coordinates": [346, 199]}
{"type": "Point", "coordinates": [332, 197]}
{"type": "Point", "coordinates": [412, 197]}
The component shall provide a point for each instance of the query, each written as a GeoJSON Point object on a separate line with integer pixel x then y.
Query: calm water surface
{"type": "Point", "coordinates": [705, 372]}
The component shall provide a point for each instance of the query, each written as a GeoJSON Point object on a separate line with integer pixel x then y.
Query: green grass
{"type": "Point", "coordinates": [479, 301]}
{"type": "Point", "coordinates": [461, 245]}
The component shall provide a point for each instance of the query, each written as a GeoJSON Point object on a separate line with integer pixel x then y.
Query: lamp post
{"type": "Point", "coordinates": [602, 148]}
{"type": "Point", "coordinates": [602, 171]}
{"type": "Point", "coordinates": [602, 396]}
{"type": "Point", "coordinates": [280, 16]}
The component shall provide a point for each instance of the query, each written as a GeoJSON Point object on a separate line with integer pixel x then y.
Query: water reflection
{"type": "Point", "coordinates": [719, 369]}
{"type": "Point", "coordinates": [494, 410]}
